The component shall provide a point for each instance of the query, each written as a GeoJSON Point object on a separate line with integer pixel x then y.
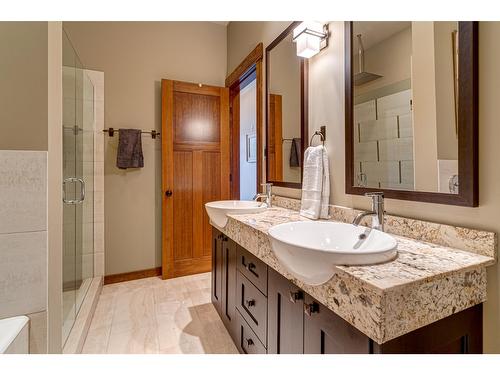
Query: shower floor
{"type": "Point", "coordinates": [69, 299]}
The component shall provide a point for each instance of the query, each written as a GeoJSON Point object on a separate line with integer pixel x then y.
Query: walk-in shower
{"type": "Point", "coordinates": [78, 175]}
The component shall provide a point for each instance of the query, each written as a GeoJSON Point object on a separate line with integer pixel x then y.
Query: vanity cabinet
{"type": "Point", "coordinates": [216, 292]}
{"type": "Point", "coordinates": [327, 333]}
{"type": "Point", "coordinates": [266, 313]}
{"type": "Point", "coordinates": [285, 316]}
{"type": "Point", "coordinates": [224, 255]}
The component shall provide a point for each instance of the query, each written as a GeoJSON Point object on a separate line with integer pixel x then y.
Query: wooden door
{"type": "Point", "coordinates": [285, 303]}
{"type": "Point", "coordinates": [275, 134]}
{"type": "Point", "coordinates": [195, 170]}
{"type": "Point", "coordinates": [327, 333]}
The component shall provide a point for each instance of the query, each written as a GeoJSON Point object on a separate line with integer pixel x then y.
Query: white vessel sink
{"type": "Point", "coordinates": [310, 250]}
{"type": "Point", "coordinates": [218, 210]}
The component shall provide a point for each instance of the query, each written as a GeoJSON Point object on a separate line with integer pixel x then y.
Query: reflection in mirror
{"type": "Point", "coordinates": [405, 89]}
{"type": "Point", "coordinates": [284, 110]}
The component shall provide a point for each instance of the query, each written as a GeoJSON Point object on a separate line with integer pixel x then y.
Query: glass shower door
{"type": "Point", "coordinates": [78, 163]}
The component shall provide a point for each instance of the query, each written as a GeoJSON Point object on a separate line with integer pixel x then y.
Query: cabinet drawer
{"type": "Point", "coordinates": [252, 305]}
{"type": "Point", "coordinates": [248, 342]}
{"type": "Point", "coordinates": [253, 268]}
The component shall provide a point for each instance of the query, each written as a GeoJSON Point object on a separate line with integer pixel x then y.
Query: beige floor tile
{"type": "Point", "coordinates": [158, 316]}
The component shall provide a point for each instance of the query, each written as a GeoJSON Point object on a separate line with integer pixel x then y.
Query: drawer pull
{"type": "Point", "coordinates": [250, 266]}
{"type": "Point", "coordinates": [249, 342]}
{"type": "Point", "coordinates": [250, 302]}
{"type": "Point", "coordinates": [311, 308]}
{"type": "Point", "coordinates": [296, 296]}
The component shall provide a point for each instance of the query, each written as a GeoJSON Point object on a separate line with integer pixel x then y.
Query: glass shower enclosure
{"type": "Point", "coordinates": [78, 172]}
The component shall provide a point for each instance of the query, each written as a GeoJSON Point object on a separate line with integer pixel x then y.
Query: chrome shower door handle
{"type": "Point", "coordinates": [82, 190]}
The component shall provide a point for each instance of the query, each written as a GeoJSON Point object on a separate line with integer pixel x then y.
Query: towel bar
{"type": "Point", "coordinates": [111, 132]}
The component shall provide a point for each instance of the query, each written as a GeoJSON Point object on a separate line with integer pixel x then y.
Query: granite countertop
{"type": "Point", "coordinates": [426, 282]}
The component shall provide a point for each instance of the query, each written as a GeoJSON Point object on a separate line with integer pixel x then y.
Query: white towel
{"type": "Point", "coordinates": [315, 184]}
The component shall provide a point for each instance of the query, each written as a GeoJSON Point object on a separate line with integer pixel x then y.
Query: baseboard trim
{"type": "Point", "coordinates": [134, 275]}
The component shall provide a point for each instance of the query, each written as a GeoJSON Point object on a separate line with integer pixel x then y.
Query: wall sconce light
{"type": "Point", "coordinates": [311, 37]}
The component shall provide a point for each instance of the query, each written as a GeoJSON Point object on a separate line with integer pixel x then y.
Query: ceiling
{"type": "Point", "coordinates": [373, 32]}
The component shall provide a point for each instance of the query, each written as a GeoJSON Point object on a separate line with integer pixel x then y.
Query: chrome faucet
{"type": "Point", "coordinates": [266, 194]}
{"type": "Point", "coordinates": [377, 211]}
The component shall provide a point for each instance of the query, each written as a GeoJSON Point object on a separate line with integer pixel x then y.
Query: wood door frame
{"type": "Point", "coordinates": [168, 87]}
{"type": "Point", "coordinates": [248, 70]}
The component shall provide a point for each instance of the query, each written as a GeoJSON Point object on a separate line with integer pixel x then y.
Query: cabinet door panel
{"type": "Point", "coordinates": [247, 341]}
{"type": "Point", "coordinates": [285, 320]}
{"type": "Point", "coordinates": [217, 269]}
{"type": "Point", "coordinates": [253, 268]}
{"type": "Point", "coordinates": [252, 305]}
{"type": "Point", "coordinates": [327, 333]}
{"type": "Point", "coordinates": [228, 305]}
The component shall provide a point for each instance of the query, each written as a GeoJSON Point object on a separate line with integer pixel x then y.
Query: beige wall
{"type": "Point", "coordinates": [134, 57]}
{"type": "Point", "coordinates": [390, 58]}
{"type": "Point", "coordinates": [424, 107]}
{"type": "Point", "coordinates": [285, 81]}
{"type": "Point", "coordinates": [326, 100]}
{"type": "Point", "coordinates": [23, 86]}
{"type": "Point", "coordinates": [447, 139]}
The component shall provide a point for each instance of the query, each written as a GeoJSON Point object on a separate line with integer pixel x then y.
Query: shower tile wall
{"type": "Point", "coordinates": [384, 147]}
{"type": "Point", "coordinates": [23, 240]}
{"type": "Point", "coordinates": [97, 79]}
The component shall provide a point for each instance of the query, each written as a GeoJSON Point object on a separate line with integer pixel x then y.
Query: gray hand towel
{"type": "Point", "coordinates": [296, 153]}
{"type": "Point", "coordinates": [130, 149]}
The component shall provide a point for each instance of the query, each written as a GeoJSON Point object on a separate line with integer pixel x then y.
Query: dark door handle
{"type": "Point", "coordinates": [296, 296]}
{"type": "Point", "coordinates": [250, 266]}
{"type": "Point", "coordinates": [249, 342]}
{"type": "Point", "coordinates": [168, 193]}
{"type": "Point", "coordinates": [250, 302]}
{"type": "Point", "coordinates": [311, 308]}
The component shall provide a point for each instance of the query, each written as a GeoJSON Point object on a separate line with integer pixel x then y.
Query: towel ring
{"type": "Point", "coordinates": [317, 132]}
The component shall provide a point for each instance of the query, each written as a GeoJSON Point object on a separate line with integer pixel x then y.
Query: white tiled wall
{"type": "Point", "coordinates": [23, 235]}
{"type": "Point", "coordinates": [97, 79]}
{"type": "Point", "coordinates": [384, 148]}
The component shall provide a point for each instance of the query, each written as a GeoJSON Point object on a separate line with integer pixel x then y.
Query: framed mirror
{"type": "Point", "coordinates": [412, 110]}
{"type": "Point", "coordinates": [286, 111]}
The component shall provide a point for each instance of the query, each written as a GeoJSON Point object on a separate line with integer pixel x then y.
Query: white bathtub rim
{"type": "Point", "coordinates": [10, 328]}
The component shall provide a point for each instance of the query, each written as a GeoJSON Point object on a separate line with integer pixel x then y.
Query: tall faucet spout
{"type": "Point", "coordinates": [360, 217]}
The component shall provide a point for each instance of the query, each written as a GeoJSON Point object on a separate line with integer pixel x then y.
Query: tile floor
{"type": "Point", "coordinates": [155, 316]}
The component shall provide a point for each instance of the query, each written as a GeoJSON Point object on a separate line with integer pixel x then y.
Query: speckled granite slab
{"type": "Point", "coordinates": [471, 240]}
{"type": "Point", "coordinates": [425, 283]}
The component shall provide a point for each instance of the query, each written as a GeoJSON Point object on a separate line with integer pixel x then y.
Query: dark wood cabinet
{"type": "Point", "coordinates": [253, 269]}
{"type": "Point", "coordinates": [246, 340]}
{"type": "Point", "coordinates": [228, 303]}
{"type": "Point", "coordinates": [217, 237]}
{"type": "Point", "coordinates": [252, 305]}
{"type": "Point", "coordinates": [285, 333]}
{"type": "Point", "coordinates": [224, 255]}
{"type": "Point", "coordinates": [327, 333]}
{"type": "Point", "coordinates": [266, 313]}
{"type": "Point", "coordinates": [460, 333]}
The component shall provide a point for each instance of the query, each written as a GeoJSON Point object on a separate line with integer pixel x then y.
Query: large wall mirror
{"type": "Point", "coordinates": [411, 110]}
{"type": "Point", "coordinates": [286, 111]}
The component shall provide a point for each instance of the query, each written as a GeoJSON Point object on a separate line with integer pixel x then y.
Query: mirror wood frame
{"type": "Point", "coordinates": [304, 72]}
{"type": "Point", "coordinates": [468, 168]}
